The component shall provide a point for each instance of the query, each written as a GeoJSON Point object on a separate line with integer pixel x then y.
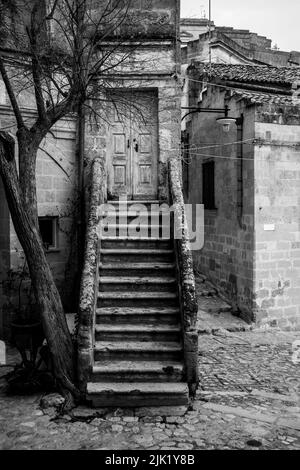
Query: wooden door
{"type": "Point", "coordinates": [133, 149]}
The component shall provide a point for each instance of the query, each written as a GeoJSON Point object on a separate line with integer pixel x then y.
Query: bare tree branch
{"type": "Point", "coordinates": [11, 94]}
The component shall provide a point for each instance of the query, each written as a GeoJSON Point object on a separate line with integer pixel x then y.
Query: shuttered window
{"type": "Point", "coordinates": [208, 185]}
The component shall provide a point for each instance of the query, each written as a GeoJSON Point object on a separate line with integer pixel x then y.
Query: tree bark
{"type": "Point", "coordinates": [46, 293]}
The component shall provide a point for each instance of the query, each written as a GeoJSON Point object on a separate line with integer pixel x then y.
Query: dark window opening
{"type": "Point", "coordinates": [48, 231]}
{"type": "Point", "coordinates": [208, 185]}
{"type": "Point", "coordinates": [186, 162]}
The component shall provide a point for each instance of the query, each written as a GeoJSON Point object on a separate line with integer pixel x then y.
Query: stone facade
{"type": "Point", "coordinates": [229, 45]}
{"type": "Point", "coordinates": [57, 199]}
{"type": "Point", "coordinates": [227, 255]}
{"type": "Point", "coordinates": [251, 249]}
{"type": "Point", "coordinates": [277, 216]}
{"type": "Point", "coordinates": [153, 63]}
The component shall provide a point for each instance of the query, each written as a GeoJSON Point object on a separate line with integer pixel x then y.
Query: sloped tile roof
{"type": "Point", "coordinates": [254, 73]}
{"type": "Point", "coordinates": [267, 98]}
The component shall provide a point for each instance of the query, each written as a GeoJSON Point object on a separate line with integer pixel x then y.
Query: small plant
{"type": "Point", "coordinates": [28, 337]}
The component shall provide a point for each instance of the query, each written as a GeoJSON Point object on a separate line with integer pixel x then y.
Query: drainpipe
{"type": "Point", "coordinates": [240, 182]}
{"type": "Point", "coordinates": [80, 184]}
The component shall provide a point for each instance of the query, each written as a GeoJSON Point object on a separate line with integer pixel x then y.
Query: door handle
{"type": "Point", "coordinates": [136, 145]}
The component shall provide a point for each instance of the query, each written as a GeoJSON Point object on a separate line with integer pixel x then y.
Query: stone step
{"type": "Point", "coordinates": [134, 394]}
{"type": "Point", "coordinates": [144, 316]}
{"type": "Point", "coordinates": [143, 214]}
{"type": "Point", "coordinates": [144, 217]}
{"type": "Point", "coordinates": [139, 371]}
{"type": "Point", "coordinates": [135, 243]}
{"type": "Point", "coordinates": [138, 269]}
{"type": "Point", "coordinates": [149, 332]}
{"type": "Point", "coordinates": [137, 299]}
{"type": "Point", "coordinates": [137, 350]}
{"type": "Point", "coordinates": [141, 210]}
{"type": "Point", "coordinates": [131, 202]}
{"type": "Point", "coordinates": [137, 284]}
{"type": "Point", "coordinates": [129, 230]}
{"type": "Point", "coordinates": [136, 255]}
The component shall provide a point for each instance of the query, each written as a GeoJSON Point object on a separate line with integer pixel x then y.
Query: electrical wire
{"type": "Point", "coordinates": [223, 157]}
{"type": "Point", "coordinates": [218, 145]}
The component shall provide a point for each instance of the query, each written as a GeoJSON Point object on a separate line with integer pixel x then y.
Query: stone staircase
{"type": "Point", "coordinates": [138, 350]}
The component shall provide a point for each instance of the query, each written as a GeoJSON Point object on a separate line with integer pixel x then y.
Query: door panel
{"type": "Point", "coordinates": [133, 149]}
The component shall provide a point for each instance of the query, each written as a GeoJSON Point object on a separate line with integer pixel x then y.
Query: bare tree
{"type": "Point", "coordinates": [63, 51]}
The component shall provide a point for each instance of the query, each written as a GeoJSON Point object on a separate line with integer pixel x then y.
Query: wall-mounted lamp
{"type": "Point", "coordinates": [226, 121]}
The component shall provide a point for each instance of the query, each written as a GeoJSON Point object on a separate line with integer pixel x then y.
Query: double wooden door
{"type": "Point", "coordinates": [133, 146]}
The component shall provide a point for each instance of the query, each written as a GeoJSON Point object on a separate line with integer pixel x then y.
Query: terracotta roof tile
{"type": "Point", "coordinates": [254, 73]}
{"type": "Point", "coordinates": [266, 98]}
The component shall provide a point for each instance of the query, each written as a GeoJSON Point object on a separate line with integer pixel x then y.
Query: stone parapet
{"type": "Point", "coordinates": [187, 291]}
{"type": "Point", "coordinates": [88, 291]}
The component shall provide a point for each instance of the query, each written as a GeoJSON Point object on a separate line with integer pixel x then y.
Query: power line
{"type": "Point", "coordinates": [253, 159]}
{"type": "Point", "coordinates": [218, 145]}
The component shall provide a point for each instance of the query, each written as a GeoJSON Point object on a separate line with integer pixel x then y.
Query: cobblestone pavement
{"type": "Point", "coordinates": [248, 399]}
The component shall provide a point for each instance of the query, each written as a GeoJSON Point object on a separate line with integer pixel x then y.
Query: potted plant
{"type": "Point", "coordinates": [26, 327]}
{"type": "Point", "coordinates": [27, 335]}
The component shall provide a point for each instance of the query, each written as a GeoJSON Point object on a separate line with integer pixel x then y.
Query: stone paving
{"type": "Point", "coordinates": [248, 399]}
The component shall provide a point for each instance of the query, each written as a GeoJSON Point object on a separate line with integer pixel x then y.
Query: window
{"type": "Point", "coordinates": [208, 185]}
{"type": "Point", "coordinates": [48, 229]}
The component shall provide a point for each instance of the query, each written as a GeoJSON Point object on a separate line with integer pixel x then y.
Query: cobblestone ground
{"type": "Point", "coordinates": [248, 399]}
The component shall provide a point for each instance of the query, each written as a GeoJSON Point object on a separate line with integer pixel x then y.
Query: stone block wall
{"type": "Point", "coordinates": [169, 116]}
{"type": "Point", "coordinates": [58, 197]}
{"type": "Point", "coordinates": [277, 217]}
{"type": "Point", "coordinates": [256, 264]}
{"type": "Point", "coordinates": [56, 172]}
{"type": "Point", "coordinates": [246, 38]}
{"type": "Point", "coordinates": [227, 255]}
{"type": "Point", "coordinates": [144, 19]}
{"type": "Point", "coordinates": [155, 67]}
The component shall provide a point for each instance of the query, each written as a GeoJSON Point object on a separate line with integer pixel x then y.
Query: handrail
{"type": "Point", "coordinates": [187, 290]}
{"type": "Point", "coordinates": [88, 288]}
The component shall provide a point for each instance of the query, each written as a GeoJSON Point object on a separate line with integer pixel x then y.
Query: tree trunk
{"type": "Point", "coordinates": [46, 293]}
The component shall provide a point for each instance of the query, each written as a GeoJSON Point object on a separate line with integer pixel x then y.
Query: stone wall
{"type": "Point", "coordinates": [246, 38]}
{"type": "Point", "coordinates": [227, 255]}
{"type": "Point", "coordinates": [277, 217]}
{"type": "Point", "coordinates": [154, 66]}
{"type": "Point", "coordinates": [138, 19]}
{"type": "Point", "coordinates": [193, 27]}
{"type": "Point", "coordinates": [256, 264]}
{"type": "Point", "coordinates": [57, 197]}
{"type": "Point", "coordinates": [226, 48]}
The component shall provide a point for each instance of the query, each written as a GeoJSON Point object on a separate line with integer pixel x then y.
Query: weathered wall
{"type": "Point", "coordinates": [194, 27]}
{"type": "Point", "coordinates": [154, 66]}
{"type": "Point", "coordinates": [226, 48]}
{"type": "Point", "coordinates": [246, 38]}
{"type": "Point", "coordinates": [154, 63]}
{"type": "Point", "coordinates": [169, 95]}
{"type": "Point", "coordinates": [277, 217]}
{"type": "Point", "coordinates": [57, 197]}
{"type": "Point", "coordinates": [152, 19]}
{"type": "Point", "coordinates": [227, 255]}
{"type": "Point", "coordinates": [223, 50]}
